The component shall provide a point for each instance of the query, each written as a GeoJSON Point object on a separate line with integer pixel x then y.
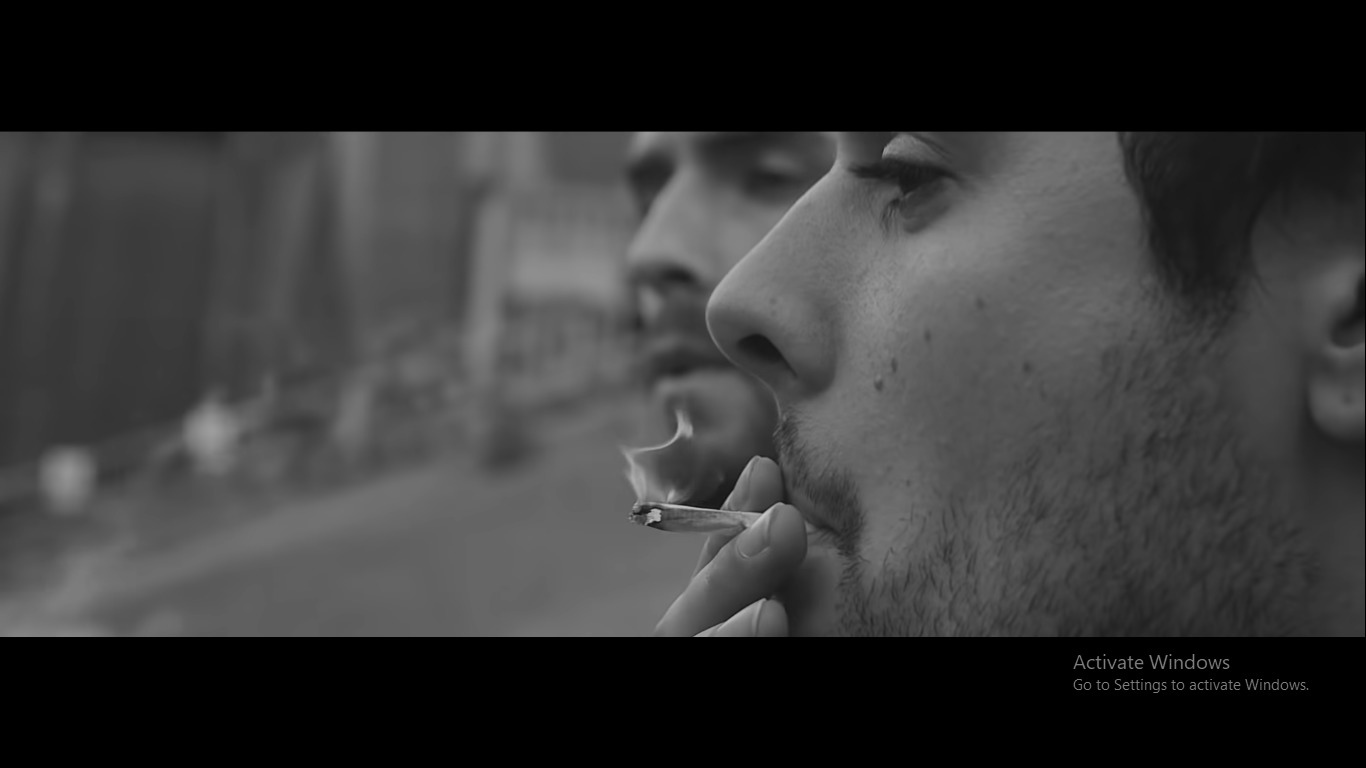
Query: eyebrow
{"type": "Point", "coordinates": [961, 146]}
{"type": "Point", "coordinates": [940, 141]}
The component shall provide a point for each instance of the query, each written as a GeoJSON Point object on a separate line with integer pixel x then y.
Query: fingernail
{"type": "Point", "coordinates": [746, 478]}
{"type": "Point", "coordinates": [758, 616]}
{"type": "Point", "coordinates": [755, 538]}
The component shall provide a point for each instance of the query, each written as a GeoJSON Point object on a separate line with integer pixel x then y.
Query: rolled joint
{"type": "Point", "coordinates": [679, 518]}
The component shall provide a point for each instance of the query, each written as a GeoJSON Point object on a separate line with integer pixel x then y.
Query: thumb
{"type": "Point", "coordinates": [766, 618]}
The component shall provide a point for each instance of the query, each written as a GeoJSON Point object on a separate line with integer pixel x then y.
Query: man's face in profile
{"type": "Point", "coordinates": [705, 200]}
{"type": "Point", "coordinates": [1004, 423]}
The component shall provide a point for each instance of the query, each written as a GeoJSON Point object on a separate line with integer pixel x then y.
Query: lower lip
{"type": "Point", "coordinates": [824, 533]}
{"type": "Point", "coordinates": [823, 537]}
{"type": "Point", "coordinates": [682, 374]}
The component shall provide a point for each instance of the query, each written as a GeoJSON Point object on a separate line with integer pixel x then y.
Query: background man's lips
{"type": "Point", "coordinates": [675, 356]}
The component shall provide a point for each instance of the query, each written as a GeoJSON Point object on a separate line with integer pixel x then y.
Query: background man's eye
{"type": "Point", "coordinates": [646, 182]}
{"type": "Point", "coordinates": [770, 182]}
{"type": "Point", "coordinates": [643, 200]}
{"type": "Point", "coordinates": [643, 194]}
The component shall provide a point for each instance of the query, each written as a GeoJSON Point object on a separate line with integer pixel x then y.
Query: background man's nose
{"type": "Point", "coordinates": [675, 246]}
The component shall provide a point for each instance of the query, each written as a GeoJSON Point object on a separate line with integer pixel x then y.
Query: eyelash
{"type": "Point", "coordinates": [913, 179]}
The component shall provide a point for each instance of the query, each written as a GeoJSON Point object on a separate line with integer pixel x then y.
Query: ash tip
{"type": "Point", "coordinates": [644, 514]}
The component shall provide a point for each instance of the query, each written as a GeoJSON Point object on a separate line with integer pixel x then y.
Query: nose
{"type": "Point", "coordinates": [770, 315]}
{"type": "Point", "coordinates": [675, 249]}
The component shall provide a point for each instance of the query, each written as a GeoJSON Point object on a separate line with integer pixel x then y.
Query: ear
{"type": "Point", "coordinates": [1337, 365]}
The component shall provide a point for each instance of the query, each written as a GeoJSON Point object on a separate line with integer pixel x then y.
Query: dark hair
{"type": "Point", "coordinates": [1203, 193]}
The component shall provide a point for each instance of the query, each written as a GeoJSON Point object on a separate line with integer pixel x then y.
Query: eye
{"type": "Point", "coordinates": [646, 180]}
{"type": "Point", "coordinates": [916, 181]}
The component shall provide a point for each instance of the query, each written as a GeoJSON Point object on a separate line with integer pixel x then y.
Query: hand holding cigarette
{"type": "Point", "coordinates": [740, 567]}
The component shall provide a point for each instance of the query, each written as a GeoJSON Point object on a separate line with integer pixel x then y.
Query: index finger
{"type": "Point", "coordinates": [760, 486]}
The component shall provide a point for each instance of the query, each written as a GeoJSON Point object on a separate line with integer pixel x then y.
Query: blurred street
{"type": "Point", "coordinates": [544, 550]}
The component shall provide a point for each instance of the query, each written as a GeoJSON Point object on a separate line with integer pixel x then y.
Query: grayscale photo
{"type": "Point", "coordinates": [684, 384]}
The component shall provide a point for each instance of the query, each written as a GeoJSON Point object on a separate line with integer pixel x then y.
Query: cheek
{"type": "Point", "coordinates": [1262, 378]}
{"type": "Point", "coordinates": [966, 358]}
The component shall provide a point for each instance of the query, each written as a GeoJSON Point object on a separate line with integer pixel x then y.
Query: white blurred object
{"type": "Point", "coordinates": [212, 437]}
{"type": "Point", "coordinates": [67, 479]}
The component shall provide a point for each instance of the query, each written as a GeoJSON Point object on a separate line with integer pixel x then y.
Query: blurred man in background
{"type": "Point", "coordinates": [705, 200]}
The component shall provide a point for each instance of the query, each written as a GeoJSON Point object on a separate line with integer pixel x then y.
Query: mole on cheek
{"type": "Point", "coordinates": [928, 336]}
{"type": "Point", "coordinates": [1028, 367]}
{"type": "Point", "coordinates": [894, 365]}
{"type": "Point", "coordinates": [877, 383]}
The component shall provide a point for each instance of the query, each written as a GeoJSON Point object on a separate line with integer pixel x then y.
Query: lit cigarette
{"type": "Point", "coordinates": [677, 518]}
